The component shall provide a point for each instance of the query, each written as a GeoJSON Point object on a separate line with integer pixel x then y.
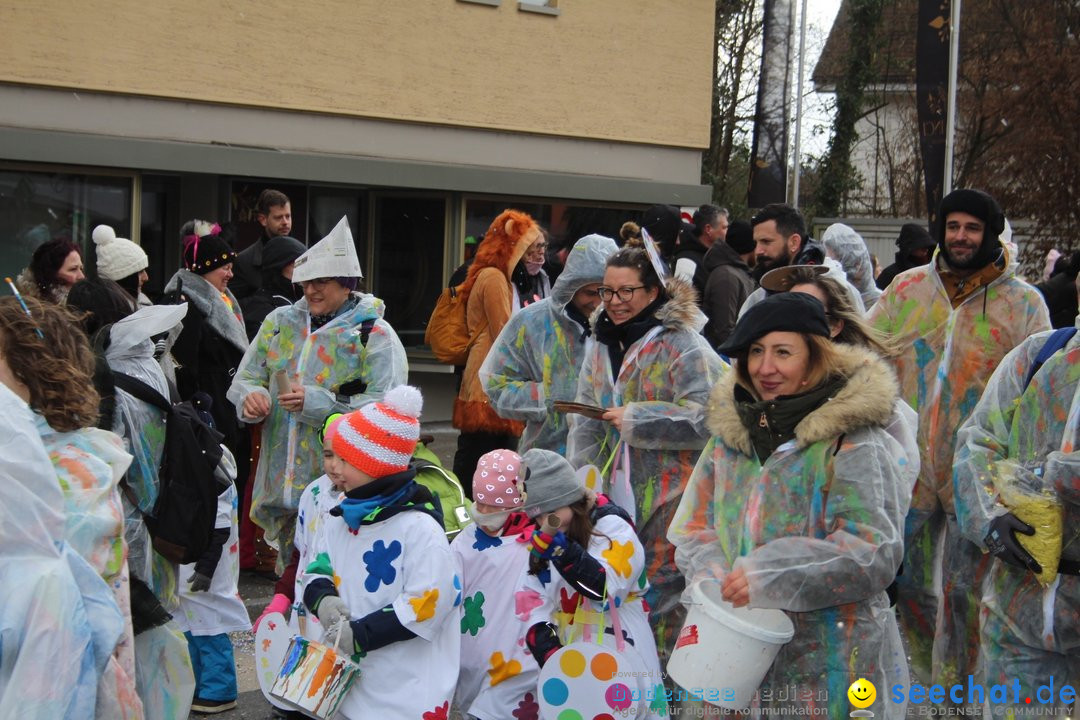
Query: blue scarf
{"type": "Point", "coordinates": [355, 510]}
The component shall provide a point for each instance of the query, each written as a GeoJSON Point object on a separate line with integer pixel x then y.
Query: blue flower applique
{"type": "Point", "coordinates": [485, 541]}
{"type": "Point", "coordinates": [379, 561]}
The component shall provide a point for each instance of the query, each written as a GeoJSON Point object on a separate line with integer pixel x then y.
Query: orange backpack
{"type": "Point", "coordinates": [447, 331]}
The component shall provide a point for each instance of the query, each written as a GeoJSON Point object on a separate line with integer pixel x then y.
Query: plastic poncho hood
{"type": "Point", "coordinates": [584, 265]}
{"type": "Point", "coordinates": [537, 356]}
{"type": "Point", "coordinates": [850, 250]}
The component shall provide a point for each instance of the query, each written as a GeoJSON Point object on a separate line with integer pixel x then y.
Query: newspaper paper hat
{"type": "Point", "coordinates": [654, 256]}
{"type": "Point", "coordinates": [333, 256]}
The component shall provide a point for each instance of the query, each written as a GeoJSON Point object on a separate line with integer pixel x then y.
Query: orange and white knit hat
{"type": "Point", "coordinates": [380, 438]}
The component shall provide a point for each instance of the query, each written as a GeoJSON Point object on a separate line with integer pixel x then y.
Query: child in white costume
{"type": "Point", "coordinates": [382, 574]}
{"type": "Point", "coordinates": [210, 607]}
{"type": "Point", "coordinates": [498, 674]}
{"type": "Point", "coordinates": [316, 502]}
{"type": "Point", "coordinates": [599, 561]}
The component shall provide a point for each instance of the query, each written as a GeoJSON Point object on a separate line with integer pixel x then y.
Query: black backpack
{"type": "Point", "coordinates": [182, 522]}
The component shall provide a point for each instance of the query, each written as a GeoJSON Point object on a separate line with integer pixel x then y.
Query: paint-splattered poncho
{"type": "Point", "coordinates": [1029, 437]}
{"type": "Point", "coordinates": [818, 529]}
{"type": "Point", "coordinates": [664, 384]}
{"type": "Point", "coordinates": [537, 356]}
{"type": "Point", "coordinates": [322, 361]}
{"type": "Point", "coordinates": [948, 355]}
{"type": "Point", "coordinates": [59, 621]}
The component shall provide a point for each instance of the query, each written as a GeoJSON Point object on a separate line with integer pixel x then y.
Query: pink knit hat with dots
{"type": "Point", "coordinates": [495, 481]}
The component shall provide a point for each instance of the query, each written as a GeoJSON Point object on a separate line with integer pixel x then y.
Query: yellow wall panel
{"type": "Point", "coordinates": [628, 70]}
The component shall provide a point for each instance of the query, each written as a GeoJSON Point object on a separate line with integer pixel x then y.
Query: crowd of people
{"type": "Point", "coordinates": [887, 458]}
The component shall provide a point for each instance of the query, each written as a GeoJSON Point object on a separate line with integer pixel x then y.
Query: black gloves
{"type": "Point", "coordinates": [1001, 541]}
{"type": "Point", "coordinates": [199, 582]}
{"type": "Point", "coordinates": [542, 639]}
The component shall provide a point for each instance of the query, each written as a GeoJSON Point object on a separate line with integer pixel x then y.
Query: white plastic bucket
{"type": "Point", "coordinates": [724, 652]}
{"type": "Point", "coordinates": [314, 678]}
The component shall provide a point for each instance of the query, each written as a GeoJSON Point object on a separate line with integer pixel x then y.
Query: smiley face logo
{"type": "Point", "coordinates": [862, 693]}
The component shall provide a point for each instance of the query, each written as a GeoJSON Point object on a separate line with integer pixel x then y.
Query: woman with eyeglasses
{"type": "Point", "coordinates": [490, 298]}
{"type": "Point", "coordinates": [649, 366]}
{"type": "Point", "coordinates": [529, 280]}
{"type": "Point", "coordinates": [331, 351]}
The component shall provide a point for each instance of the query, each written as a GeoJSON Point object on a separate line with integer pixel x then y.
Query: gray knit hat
{"type": "Point", "coordinates": [550, 482]}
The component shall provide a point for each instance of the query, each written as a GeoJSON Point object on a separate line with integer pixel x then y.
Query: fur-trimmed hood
{"type": "Point", "coordinates": [198, 291]}
{"type": "Point", "coordinates": [680, 312]}
{"type": "Point", "coordinates": [28, 285]}
{"type": "Point", "coordinates": [866, 399]}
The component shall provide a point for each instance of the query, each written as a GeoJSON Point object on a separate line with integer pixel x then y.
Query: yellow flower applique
{"type": "Point", "coordinates": [501, 669]}
{"type": "Point", "coordinates": [618, 556]}
{"type": "Point", "coordinates": [424, 606]}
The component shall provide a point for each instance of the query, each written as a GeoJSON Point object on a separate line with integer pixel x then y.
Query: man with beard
{"type": "Point", "coordinates": [954, 320]}
{"type": "Point", "coordinates": [781, 240]}
{"type": "Point", "coordinates": [275, 216]}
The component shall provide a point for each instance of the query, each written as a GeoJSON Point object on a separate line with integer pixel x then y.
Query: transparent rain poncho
{"type": "Point", "coordinates": [664, 384]}
{"type": "Point", "coordinates": [946, 360]}
{"type": "Point", "coordinates": [59, 622]}
{"type": "Point", "coordinates": [849, 249]}
{"type": "Point", "coordinates": [140, 424]}
{"type": "Point", "coordinates": [537, 356]}
{"type": "Point", "coordinates": [1026, 438]}
{"type": "Point", "coordinates": [817, 527]}
{"type": "Point", "coordinates": [322, 361]}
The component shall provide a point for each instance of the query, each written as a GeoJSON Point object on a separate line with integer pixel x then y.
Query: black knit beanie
{"type": "Point", "coordinates": [982, 206]}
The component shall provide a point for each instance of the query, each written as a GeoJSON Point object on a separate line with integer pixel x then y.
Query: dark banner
{"type": "Point", "coordinates": [768, 171]}
{"type": "Point", "coordinates": [932, 96]}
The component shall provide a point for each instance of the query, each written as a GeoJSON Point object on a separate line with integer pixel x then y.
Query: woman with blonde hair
{"type": "Point", "coordinates": [797, 502]}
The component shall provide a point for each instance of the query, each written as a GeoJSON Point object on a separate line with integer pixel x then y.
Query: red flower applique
{"type": "Point", "coordinates": [527, 709]}
{"type": "Point", "coordinates": [439, 713]}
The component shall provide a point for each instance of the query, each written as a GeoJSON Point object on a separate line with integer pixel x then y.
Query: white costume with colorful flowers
{"type": "Point", "coordinates": [404, 562]}
{"type": "Point", "coordinates": [617, 547]}
{"type": "Point", "coordinates": [498, 673]}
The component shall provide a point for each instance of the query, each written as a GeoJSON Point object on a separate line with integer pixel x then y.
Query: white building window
{"type": "Point", "coordinates": [545, 7]}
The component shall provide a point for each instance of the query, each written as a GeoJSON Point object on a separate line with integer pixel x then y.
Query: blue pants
{"type": "Point", "coordinates": [214, 666]}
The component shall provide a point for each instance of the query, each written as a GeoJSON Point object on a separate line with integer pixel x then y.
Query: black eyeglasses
{"type": "Point", "coordinates": [625, 294]}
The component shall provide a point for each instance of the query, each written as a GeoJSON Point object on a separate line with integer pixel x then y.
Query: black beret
{"type": "Point", "coordinates": [785, 312]}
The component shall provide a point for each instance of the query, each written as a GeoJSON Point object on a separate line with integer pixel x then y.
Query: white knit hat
{"type": "Point", "coordinates": [117, 257]}
{"type": "Point", "coordinates": [380, 437]}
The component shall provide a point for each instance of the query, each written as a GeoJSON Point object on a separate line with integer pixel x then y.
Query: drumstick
{"type": "Point", "coordinates": [338, 626]}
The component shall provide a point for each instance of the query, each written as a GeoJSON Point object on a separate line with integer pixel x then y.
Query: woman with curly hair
{"type": "Point", "coordinates": [51, 367]}
{"type": "Point", "coordinates": [55, 266]}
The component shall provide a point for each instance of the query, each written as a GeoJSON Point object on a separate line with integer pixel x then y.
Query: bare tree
{"type": "Point", "coordinates": [725, 165]}
{"type": "Point", "coordinates": [1017, 134]}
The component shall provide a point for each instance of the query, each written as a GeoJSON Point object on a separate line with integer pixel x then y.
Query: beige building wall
{"type": "Point", "coordinates": [621, 70]}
